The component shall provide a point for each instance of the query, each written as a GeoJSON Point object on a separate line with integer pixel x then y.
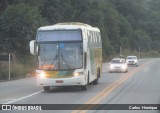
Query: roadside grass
{"type": "Point", "coordinates": [17, 69]}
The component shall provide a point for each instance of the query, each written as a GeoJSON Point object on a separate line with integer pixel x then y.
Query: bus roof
{"type": "Point", "coordinates": [69, 26]}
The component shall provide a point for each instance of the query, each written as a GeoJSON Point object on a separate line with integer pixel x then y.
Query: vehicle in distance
{"type": "Point", "coordinates": [118, 65]}
{"type": "Point", "coordinates": [132, 60]}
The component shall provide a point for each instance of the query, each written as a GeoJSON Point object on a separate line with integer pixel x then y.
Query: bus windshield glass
{"type": "Point", "coordinates": [60, 55]}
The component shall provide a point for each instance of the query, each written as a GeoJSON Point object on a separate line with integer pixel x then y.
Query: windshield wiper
{"type": "Point", "coordinates": [65, 61]}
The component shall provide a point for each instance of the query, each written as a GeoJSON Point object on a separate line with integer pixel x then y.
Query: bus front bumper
{"type": "Point", "coordinates": [73, 81]}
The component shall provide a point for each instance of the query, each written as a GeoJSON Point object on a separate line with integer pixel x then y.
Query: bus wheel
{"type": "Point", "coordinates": [46, 88]}
{"type": "Point", "coordinates": [84, 88]}
{"type": "Point", "coordinates": [95, 82]}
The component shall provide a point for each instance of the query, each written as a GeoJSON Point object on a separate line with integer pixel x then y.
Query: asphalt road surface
{"type": "Point", "coordinates": [141, 85]}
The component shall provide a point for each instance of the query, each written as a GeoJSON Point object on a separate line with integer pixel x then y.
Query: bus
{"type": "Point", "coordinates": [67, 54]}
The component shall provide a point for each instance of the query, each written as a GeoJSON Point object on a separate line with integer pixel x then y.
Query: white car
{"type": "Point", "coordinates": [118, 65]}
{"type": "Point", "coordinates": [132, 60]}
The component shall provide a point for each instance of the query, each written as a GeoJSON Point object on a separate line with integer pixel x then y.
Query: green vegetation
{"type": "Point", "coordinates": [132, 25]}
{"type": "Point", "coordinates": [17, 70]}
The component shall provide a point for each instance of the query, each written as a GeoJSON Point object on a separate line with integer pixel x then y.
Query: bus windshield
{"type": "Point", "coordinates": [57, 56]}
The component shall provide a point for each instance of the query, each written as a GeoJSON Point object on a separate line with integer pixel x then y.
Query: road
{"type": "Point", "coordinates": [141, 85]}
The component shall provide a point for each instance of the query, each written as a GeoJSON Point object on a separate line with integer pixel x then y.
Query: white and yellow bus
{"type": "Point", "coordinates": [67, 54]}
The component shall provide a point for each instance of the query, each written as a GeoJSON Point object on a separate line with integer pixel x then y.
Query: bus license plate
{"type": "Point", "coordinates": [59, 81]}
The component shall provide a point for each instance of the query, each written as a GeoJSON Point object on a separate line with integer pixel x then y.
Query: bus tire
{"type": "Point", "coordinates": [95, 82]}
{"type": "Point", "coordinates": [84, 88]}
{"type": "Point", "coordinates": [46, 88]}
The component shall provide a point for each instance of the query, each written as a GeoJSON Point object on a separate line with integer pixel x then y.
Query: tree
{"type": "Point", "coordinates": [141, 40]}
{"type": "Point", "coordinates": [125, 23]}
{"type": "Point", "coordinates": [66, 10]}
{"type": "Point", "coordinates": [19, 24]}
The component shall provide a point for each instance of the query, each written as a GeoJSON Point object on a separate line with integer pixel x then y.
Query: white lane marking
{"type": "Point", "coordinates": [24, 97]}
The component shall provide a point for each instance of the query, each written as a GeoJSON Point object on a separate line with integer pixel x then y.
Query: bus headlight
{"type": "Point", "coordinates": [42, 75]}
{"type": "Point", "coordinates": [76, 74]}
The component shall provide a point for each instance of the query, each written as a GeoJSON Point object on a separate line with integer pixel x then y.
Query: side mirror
{"type": "Point", "coordinates": [32, 46]}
